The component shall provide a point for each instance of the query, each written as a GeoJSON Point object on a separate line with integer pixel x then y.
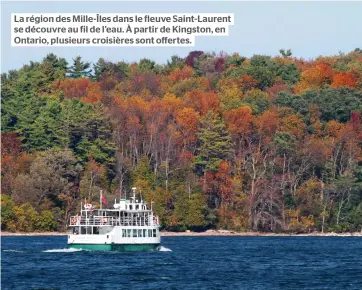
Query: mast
{"type": "Point", "coordinates": [134, 194]}
{"type": "Point", "coordinates": [100, 199]}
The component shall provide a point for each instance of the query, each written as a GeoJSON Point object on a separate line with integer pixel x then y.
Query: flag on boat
{"type": "Point", "coordinates": [88, 206]}
{"type": "Point", "coordinates": [104, 201]}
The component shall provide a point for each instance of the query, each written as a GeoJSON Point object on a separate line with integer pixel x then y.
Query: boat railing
{"type": "Point", "coordinates": [109, 221]}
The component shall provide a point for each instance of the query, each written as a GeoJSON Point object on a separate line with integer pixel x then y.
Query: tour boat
{"type": "Point", "coordinates": [129, 226]}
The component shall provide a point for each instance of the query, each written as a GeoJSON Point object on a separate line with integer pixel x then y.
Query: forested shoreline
{"type": "Point", "coordinates": [215, 141]}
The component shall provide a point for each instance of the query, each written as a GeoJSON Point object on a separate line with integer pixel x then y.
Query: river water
{"type": "Point", "coordinates": [186, 263]}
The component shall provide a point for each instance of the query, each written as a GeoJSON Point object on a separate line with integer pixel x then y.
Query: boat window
{"type": "Point", "coordinates": [134, 233]}
{"type": "Point", "coordinates": [144, 233]}
{"type": "Point", "coordinates": [137, 206]}
{"type": "Point", "coordinates": [123, 233]}
{"type": "Point", "coordinates": [150, 233]}
{"type": "Point", "coordinates": [140, 233]}
{"type": "Point", "coordinates": [154, 233]}
{"type": "Point", "coordinates": [130, 207]}
{"type": "Point", "coordinates": [129, 233]}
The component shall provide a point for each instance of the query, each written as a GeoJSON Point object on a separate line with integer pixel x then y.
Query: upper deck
{"type": "Point", "coordinates": [114, 218]}
{"type": "Point", "coordinates": [124, 213]}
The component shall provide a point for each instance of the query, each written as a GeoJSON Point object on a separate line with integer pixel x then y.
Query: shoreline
{"type": "Point", "coordinates": [257, 234]}
{"type": "Point", "coordinates": [32, 234]}
{"type": "Point", "coordinates": [209, 233]}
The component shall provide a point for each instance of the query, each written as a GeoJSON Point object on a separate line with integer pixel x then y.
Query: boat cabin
{"type": "Point", "coordinates": [133, 215]}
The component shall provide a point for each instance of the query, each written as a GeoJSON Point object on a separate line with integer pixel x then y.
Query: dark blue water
{"type": "Point", "coordinates": [194, 263]}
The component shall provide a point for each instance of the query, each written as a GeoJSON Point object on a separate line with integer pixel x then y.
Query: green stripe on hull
{"type": "Point", "coordinates": [93, 247]}
{"type": "Point", "coordinates": [119, 248]}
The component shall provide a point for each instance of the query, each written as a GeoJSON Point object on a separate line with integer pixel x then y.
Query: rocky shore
{"type": "Point", "coordinates": [5, 234]}
{"type": "Point", "coordinates": [208, 233]}
{"type": "Point", "coordinates": [258, 234]}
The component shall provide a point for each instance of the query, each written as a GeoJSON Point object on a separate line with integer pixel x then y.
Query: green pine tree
{"type": "Point", "coordinates": [214, 144]}
{"type": "Point", "coordinates": [80, 69]}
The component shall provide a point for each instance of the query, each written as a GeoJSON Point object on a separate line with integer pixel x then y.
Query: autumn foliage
{"type": "Point", "coordinates": [344, 79]}
{"type": "Point", "coordinates": [215, 140]}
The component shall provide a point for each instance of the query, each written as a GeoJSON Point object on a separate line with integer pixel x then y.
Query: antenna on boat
{"type": "Point", "coordinates": [125, 194]}
{"type": "Point", "coordinates": [141, 196]}
{"type": "Point", "coordinates": [134, 193]}
{"type": "Point", "coordinates": [101, 198]}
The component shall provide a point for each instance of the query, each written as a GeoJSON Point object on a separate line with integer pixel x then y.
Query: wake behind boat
{"type": "Point", "coordinates": [129, 226]}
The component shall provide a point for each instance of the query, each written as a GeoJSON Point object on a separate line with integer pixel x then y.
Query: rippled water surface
{"type": "Point", "coordinates": [187, 263]}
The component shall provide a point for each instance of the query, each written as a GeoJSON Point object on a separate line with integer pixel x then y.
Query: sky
{"type": "Point", "coordinates": [309, 29]}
